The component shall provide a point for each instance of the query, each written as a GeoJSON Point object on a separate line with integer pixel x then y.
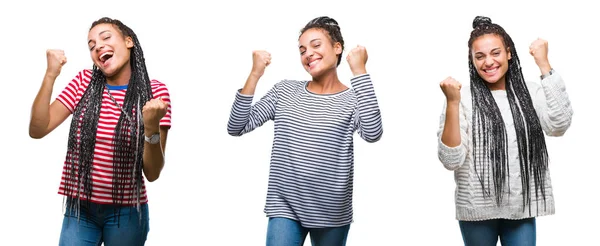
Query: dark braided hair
{"type": "Point", "coordinates": [128, 140]}
{"type": "Point", "coordinates": [489, 133]}
{"type": "Point", "coordinates": [331, 27]}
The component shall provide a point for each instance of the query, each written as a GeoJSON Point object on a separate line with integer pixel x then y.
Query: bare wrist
{"type": "Point", "coordinates": [254, 75]}
{"type": "Point", "coordinates": [544, 67]}
{"type": "Point", "coordinates": [151, 129]}
{"type": "Point", "coordinates": [453, 102]}
{"type": "Point", "coordinates": [50, 76]}
{"type": "Point", "coordinates": [359, 71]}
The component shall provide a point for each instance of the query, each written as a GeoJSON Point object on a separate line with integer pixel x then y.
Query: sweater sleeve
{"type": "Point", "coordinates": [454, 157]}
{"type": "Point", "coordinates": [246, 117]}
{"type": "Point", "coordinates": [367, 118]}
{"type": "Point", "coordinates": [552, 105]}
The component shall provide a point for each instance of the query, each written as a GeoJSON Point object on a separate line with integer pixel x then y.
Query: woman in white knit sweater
{"type": "Point", "coordinates": [492, 136]}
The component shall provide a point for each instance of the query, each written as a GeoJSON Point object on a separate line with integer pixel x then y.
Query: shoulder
{"type": "Point", "coordinates": [159, 88]}
{"type": "Point", "coordinates": [84, 75]}
{"type": "Point", "coordinates": [288, 86]}
{"type": "Point", "coordinates": [82, 79]}
{"type": "Point", "coordinates": [532, 86]}
{"type": "Point", "coordinates": [289, 83]}
{"type": "Point", "coordinates": [465, 96]}
{"type": "Point", "coordinates": [156, 83]}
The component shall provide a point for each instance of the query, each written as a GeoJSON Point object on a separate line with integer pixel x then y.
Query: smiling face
{"type": "Point", "coordinates": [490, 57]}
{"type": "Point", "coordinates": [109, 49]}
{"type": "Point", "coordinates": [317, 53]}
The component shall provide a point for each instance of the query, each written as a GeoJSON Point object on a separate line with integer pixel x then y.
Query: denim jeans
{"type": "Point", "coordinates": [98, 224]}
{"type": "Point", "coordinates": [511, 232]}
{"type": "Point", "coordinates": [288, 232]}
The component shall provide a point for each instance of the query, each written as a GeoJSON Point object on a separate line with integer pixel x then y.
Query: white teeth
{"type": "Point", "coordinates": [490, 70]}
{"type": "Point", "coordinates": [312, 63]}
{"type": "Point", "coordinates": [105, 54]}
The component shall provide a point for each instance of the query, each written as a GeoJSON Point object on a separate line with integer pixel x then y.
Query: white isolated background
{"type": "Point", "coordinates": [212, 190]}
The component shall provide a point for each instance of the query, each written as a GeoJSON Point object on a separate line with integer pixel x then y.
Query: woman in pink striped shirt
{"type": "Point", "coordinates": [117, 135]}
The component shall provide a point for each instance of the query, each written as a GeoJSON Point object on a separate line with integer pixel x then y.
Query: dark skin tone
{"type": "Point", "coordinates": [103, 38]}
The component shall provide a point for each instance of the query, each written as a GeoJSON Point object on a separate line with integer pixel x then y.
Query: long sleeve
{"type": "Point", "coordinates": [552, 105]}
{"type": "Point", "coordinates": [454, 157]}
{"type": "Point", "coordinates": [367, 119]}
{"type": "Point", "coordinates": [246, 117]}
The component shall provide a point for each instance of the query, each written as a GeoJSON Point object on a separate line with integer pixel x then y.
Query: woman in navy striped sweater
{"type": "Point", "coordinates": [312, 163]}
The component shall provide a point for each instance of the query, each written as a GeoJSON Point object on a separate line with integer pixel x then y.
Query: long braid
{"type": "Point", "coordinates": [82, 141]}
{"type": "Point", "coordinates": [128, 139]}
{"type": "Point", "coordinates": [489, 138]}
{"type": "Point", "coordinates": [128, 159]}
{"type": "Point", "coordinates": [489, 133]}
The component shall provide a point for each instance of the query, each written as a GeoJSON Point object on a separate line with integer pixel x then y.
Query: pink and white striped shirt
{"type": "Point", "coordinates": [102, 171]}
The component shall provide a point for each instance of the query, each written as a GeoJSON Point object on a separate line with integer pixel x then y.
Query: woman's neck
{"type": "Point", "coordinates": [328, 83]}
{"type": "Point", "coordinates": [121, 78]}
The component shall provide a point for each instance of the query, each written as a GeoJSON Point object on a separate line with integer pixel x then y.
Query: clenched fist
{"type": "Point", "coordinates": [56, 59]}
{"type": "Point", "coordinates": [260, 60]}
{"type": "Point", "coordinates": [153, 111]}
{"type": "Point", "coordinates": [539, 50]}
{"type": "Point", "coordinates": [451, 89]}
{"type": "Point", "coordinates": [357, 59]}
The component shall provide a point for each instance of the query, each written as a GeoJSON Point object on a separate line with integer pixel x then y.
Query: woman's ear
{"type": "Point", "coordinates": [129, 42]}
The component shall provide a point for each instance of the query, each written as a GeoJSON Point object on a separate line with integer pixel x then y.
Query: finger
{"type": "Point", "coordinates": [149, 103]}
{"type": "Point", "coordinates": [166, 103]}
{"type": "Point", "coordinates": [158, 104]}
{"type": "Point", "coordinates": [163, 103]}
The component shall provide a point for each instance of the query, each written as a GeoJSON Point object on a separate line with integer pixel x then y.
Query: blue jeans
{"type": "Point", "coordinates": [511, 232]}
{"type": "Point", "coordinates": [98, 224]}
{"type": "Point", "coordinates": [288, 232]}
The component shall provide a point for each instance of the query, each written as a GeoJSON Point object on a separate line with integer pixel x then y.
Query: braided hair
{"type": "Point", "coordinates": [489, 133]}
{"type": "Point", "coordinates": [128, 138]}
{"type": "Point", "coordinates": [330, 26]}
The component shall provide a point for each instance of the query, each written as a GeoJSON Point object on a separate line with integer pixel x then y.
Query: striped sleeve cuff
{"type": "Point", "coordinates": [243, 97]}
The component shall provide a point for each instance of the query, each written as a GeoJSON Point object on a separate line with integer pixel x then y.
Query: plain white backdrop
{"type": "Point", "coordinates": [213, 187]}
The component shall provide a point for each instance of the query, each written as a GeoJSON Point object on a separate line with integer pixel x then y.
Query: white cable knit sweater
{"type": "Point", "coordinates": [554, 110]}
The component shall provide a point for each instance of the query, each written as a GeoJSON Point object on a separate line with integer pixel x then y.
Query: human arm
{"type": "Point", "coordinates": [551, 100]}
{"type": "Point", "coordinates": [452, 133]}
{"type": "Point", "coordinates": [45, 117]}
{"type": "Point", "coordinates": [244, 116]}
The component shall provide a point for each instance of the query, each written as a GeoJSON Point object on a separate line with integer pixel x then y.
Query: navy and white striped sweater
{"type": "Point", "coordinates": [312, 160]}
